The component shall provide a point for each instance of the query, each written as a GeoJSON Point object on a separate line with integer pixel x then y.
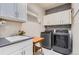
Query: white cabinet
{"type": "Point", "coordinates": [63, 17]}
{"type": "Point", "coordinates": [21, 11]}
{"type": "Point", "coordinates": [7, 10]}
{"type": "Point", "coordinates": [23, 51]}
{"type": "Point", "coordinates": [19, 52]}
{"type": "Point", "coordinates": [21, 48]}
{"type": "Point", "coordinates": [13, 11]}
{"type": "Point", "coordinates": [51, 19]}
{"type": "Point", "coordinates": [46, 20]}
{"type": "Point", "coordinates": [54, 19]}
{"type": "Point", "coordinates": [28, 50]}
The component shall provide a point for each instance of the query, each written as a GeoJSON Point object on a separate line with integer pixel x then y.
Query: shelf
{"type": "Point", "coordinates": [12, 19]}
{"type": "Point", "coordinates": [32, 14]}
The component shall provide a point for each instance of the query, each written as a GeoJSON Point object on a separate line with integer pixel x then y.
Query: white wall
{"type": "Point", "coordinates": [10, 28]}
{"type": "Point", "coordinates": [75, 29]}
{"type": "Point", "coordinates": [31, 28]}
{"type": "Point", "coordinates": [38, 11]}
{"type": "Point", "coordinates": [34, 28]}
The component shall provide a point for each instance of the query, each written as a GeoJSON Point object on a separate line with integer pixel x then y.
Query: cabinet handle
{"type": "Point", "coordinates": [24, 52]}
{"type": "Point", "coordinates": [16, 13]}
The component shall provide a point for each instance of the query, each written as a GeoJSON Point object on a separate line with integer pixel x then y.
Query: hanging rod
{"type": "Point", "coordinates": [76, 13]}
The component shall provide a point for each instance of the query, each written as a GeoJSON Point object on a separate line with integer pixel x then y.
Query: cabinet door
{"type": "Point", "coordinates": [21, 11]}
{"type": "Point", "coordinates": [28, 50]}
{"type": "Point", "coordinates": [54, 19]}
{"type": "Point", "coordinates": [7, 10]}
{"type": "Point", "coordinates": [51, 19]}
{"type": "Point", "coordinates": [46, 20]}
{"type": "Point", "coordinates": [65, 17]}
{"type": "Point", "coordinates": [16, 53]}
{"type": "Point", "coordinates": [24, 51]}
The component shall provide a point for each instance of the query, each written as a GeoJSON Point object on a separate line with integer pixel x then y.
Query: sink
{"type": "Point", "coordinates": [16, 38]}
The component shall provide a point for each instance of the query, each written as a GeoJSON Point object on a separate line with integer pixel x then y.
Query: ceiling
{"type": "Point", "coordinates": [46, 6]}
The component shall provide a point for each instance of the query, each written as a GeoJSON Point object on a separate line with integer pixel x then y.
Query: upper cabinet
{"type": "Point", "coordinates": [7, 10]}
{"type": "Point", "coordinates": [21, 11]}
{"type": "Point", "coordinates": [13, 11]}
{"type": "Point", "coordinates": [59, 18]}
{"type": "Point", "coordinates": [66, 17]}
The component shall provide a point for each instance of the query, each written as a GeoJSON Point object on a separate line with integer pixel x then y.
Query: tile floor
{"type": "Point", "coordinates": [47, 52]}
